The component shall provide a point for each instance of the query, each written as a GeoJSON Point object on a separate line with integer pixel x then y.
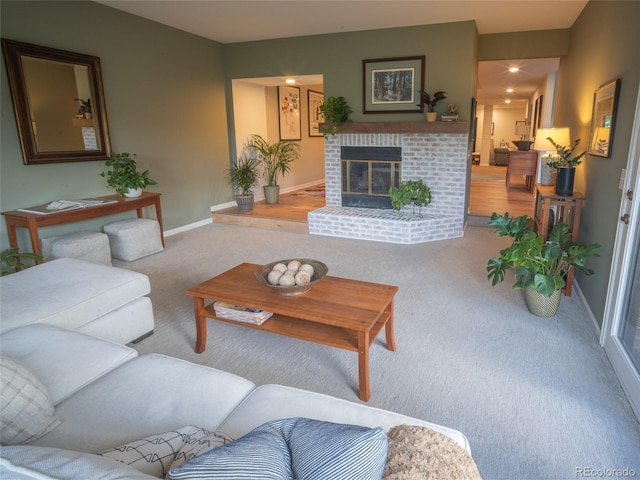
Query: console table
{"type": "Point", "coordinates": [118, 204]}
{"type": "Point", "coordinates": [523, 163]}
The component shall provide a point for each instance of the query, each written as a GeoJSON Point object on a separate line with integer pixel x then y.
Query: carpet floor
{"type": "Point", "coordinates": [537, 398]}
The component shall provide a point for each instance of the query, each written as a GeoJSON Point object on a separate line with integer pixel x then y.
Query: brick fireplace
{"type": "Point", "coordinates": [433, 151]}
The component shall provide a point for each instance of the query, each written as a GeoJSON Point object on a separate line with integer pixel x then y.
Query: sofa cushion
{"type": "Point", "coordinates": [149, 394]}
{"type": "Point", "coordinates": [298, 448]}
{"type": "Point", "coordinates": [67, 292]}
{"type": "Point", "coordinates": [421, 453]}
{"type": "Point", "coordinates": [157, 454]}
{"type": "Point", "coordinates": [65, 360]}
{"type": "Point", "coordinates": [271, 402]}
{"type": "Point", "coordinates": [26, 411]}
{"type": "Point", "coordinates": [28, 462]}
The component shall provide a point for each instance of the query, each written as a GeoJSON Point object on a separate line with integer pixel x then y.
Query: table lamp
{"type": "Point", "coordinates": [523, 130]}
{"type": "Point", "coordinates": [560, 136]}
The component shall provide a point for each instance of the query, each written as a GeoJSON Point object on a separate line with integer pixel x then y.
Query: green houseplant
{"type": "Point", "coordinates": [540, 266]}
{"type": "Point", "coordinates": [430, 102]}
{"type": "Point", "coordinates": [243, 175]}
{"type": "Point", "coordinates": [565, 162]}
{"type": "Point", "coordinates": [336, 111]}
{"type": "Point", "coordinates": [11, 260]}
{"type": "Point", "coordinates": [413, 192]}
{"type": "Point", "coordinates": [275, 160]}
{"type": "Point", "coordinates": [124, 177]}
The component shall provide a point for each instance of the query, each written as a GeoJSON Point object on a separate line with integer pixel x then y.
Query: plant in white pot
{"type": "Point", "coordinates": [540, 266]}
{"type": "Point", "coordinates": [123, 176]}
{"type": "Point", "coordinates": [275, 160]}
{"type": "Point", "coordinates": [430, 102]}
{"type": "Point", "coordinates": [243, 175]}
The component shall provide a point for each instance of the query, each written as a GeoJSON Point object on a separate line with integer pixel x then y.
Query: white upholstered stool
{"type": "Point", "coordinates": [88, 246]}
{"type": "Point", "coordinates": [133, 238]}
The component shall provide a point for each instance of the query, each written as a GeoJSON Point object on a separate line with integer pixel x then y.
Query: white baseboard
{"type": "Point", "coordinates": [592, 317]}
{"type": "Point", "coordinates": [185, 228]}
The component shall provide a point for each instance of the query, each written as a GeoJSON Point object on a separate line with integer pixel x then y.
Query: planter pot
{"type": "Point", "coordinates": [540, 305]}
{"type": "Point", "coordinates": [564, 181]}
{"type": "Point", "coordinates": [431, 116]}
{"type": "Point", "coordinates": [271, 193]}
{"type": "Point", "coordinates": [245, 202]}
{"type": "Point", "coordinates": [133, 193]}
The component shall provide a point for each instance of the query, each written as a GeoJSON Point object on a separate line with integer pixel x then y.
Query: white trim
{"type": "Point", "coordinates": [185, 228]}
{"type": "Point", "coordinates": [583, 299]}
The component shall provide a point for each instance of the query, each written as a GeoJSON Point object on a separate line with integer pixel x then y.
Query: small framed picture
{"type": "Point", "coordinates": [392, 85]}
{"type": "Point", "coordinates": [603, 119]}
{"type": "Point", "coordinates": [314, 101]}
{"type": "Point", "coordinates": [289, 113]}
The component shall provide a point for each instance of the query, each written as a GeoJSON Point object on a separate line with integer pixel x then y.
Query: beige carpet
{"type": "Point", "coordinates": [537, 398]}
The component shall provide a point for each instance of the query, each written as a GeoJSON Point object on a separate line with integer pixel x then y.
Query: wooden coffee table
{"type": "Point", "coordinates": [337, 312]}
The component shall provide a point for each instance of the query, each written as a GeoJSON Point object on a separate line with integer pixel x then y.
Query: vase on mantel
{"type": "Point", "coordinates": [431, 116]}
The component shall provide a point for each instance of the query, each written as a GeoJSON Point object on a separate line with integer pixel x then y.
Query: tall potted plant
{"type": "Point", "coordinates": [243, 176]}
{"type": "Point", "coordinates": [540, 266]}
{"type": "Point", "coordinates": [430, 102]}
{"type": "Point", "coordinates": [565, 164]}
{"type": "Point", "coordinates": [124, 177]}
{"type": "Point", "coordinates": [275, 160]}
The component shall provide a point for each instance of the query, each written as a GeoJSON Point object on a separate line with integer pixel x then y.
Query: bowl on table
{"type": "Point", "coordinates": [319, 271]}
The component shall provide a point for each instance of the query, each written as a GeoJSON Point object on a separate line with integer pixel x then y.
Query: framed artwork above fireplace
{"type": "Point", "coordinates": [392, 85]}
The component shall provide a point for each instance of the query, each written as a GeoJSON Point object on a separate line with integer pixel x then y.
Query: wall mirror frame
{"type": "Point", "coordinates": [603, 119]}
{"type": "Point", "coordinates": [59, 105]}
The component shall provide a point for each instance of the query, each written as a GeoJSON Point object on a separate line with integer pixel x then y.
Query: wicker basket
{"type": "Point", "coordinates": [240, 313]}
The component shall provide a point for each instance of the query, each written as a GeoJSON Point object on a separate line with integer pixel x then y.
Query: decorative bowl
{"type": "Point", "coordinates": [319, 271]}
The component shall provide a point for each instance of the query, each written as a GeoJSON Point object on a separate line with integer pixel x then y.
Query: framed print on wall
{"type": "Point", "coordinates": [392, 85]}
{"type": "Point", "coordinates": [314, 101]}
{"type": "Point", "coordinates": [289, 113]}
{"type": "Point", "coordinates": [603, 119]}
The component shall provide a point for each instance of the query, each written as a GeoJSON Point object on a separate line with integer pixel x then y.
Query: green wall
{"type": "Point", "coordinates": [165, 99]}
{"type": "Point", "coordinates": [604, 46]}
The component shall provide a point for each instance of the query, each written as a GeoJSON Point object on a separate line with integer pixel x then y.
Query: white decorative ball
{"type": "Point", "coordinates": [305, 267]}
{"type": "Point", "coordinates": [303, 278]}
{"type": "Point", "coordinates": [294, 265]}
{"type": "Point", "coordinates": [274, 277]}
{"type": "Point", "coordinates": [287, 280]}
{"type": "Point", "coordinates": [280, 267]}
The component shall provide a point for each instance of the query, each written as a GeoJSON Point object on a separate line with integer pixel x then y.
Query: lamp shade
{"type": "Point", "coordinates": [559, 135]}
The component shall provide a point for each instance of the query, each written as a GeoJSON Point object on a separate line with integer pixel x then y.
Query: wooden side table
{"type": "Point", "coordinates": [552, 208]}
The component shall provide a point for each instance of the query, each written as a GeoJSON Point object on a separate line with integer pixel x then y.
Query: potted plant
{"type": "Point", "coordinates": [336, 111]}
{"type": "Point", "coordinates": [410, 192]}
{"type": "Point", "coordinates": [11, 260]}
{"type": "Point", "coordinates": [430, 102]}
{"type": "Point", "coordinates": [123, 176]}
{"type": "Point", "coordinates": [275, 160]}
{"type": "Point", "coordinates": [243, 175]}
{"type": "Point", "coordinates": [540, 266]}
{"type": "Point", "coordinates": [565, 165]}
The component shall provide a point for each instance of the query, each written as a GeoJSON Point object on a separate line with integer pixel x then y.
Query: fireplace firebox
{"type": "Point", "coordinates": [367, 173]}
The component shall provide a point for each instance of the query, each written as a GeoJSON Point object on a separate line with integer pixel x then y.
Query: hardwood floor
{"type": "Point", "coordinates": [488, 194]}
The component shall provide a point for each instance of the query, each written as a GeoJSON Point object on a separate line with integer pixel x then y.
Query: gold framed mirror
{"type": "Point", "coordinates": [603, 119]}
{"type": "Point", "coordinates": [58, 101]}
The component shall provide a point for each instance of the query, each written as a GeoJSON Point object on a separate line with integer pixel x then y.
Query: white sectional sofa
{"type": "Point", "coordinates": [100, 300]}
{"type": "Point", "coordinates": [105, 395]}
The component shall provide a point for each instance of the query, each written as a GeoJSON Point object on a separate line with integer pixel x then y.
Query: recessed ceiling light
{"type": "Point", "coordinates": [509, 90]}
{"type": "Point", "coordinates": [290, 81]}
{"type": "Point", "coordinates": [507, 101]}
{"type": "Point", "coordinates": [514, 69]}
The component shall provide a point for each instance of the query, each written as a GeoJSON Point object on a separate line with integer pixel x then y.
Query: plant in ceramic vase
{"type": "Point", "coordinates": [12, 260]}
{"type": "Point", "coordinates": [336, 111]}
{"type": "Point", "coordinates": [243, 175]}
{"type": "Point", "coordinates": [124, 177]}
{"type": "Point", "coordinates": [430, 102]}
{"type": "Point", "coordinates": [275, 160]}
{"type": "Point", "coordinates": [565, 162]}
{"type": "Point", "coordinates": [540, 266]}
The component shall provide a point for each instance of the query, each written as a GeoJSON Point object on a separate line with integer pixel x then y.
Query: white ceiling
{"type": "Point", "coordinates": [231, 21]}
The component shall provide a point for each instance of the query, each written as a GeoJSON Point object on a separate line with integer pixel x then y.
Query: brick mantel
{"type": "Point", "coordinates": [404, 127]}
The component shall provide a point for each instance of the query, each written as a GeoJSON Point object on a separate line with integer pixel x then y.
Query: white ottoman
{"type": "Point", "coordinates": [133, 238]}
{"type": "Point", "coordinates": [88, 246]}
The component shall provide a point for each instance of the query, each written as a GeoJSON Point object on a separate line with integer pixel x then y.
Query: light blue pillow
{"type": "Point", "coordinates": [298, 448]}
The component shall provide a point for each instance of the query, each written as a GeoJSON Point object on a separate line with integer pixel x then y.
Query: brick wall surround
{"type": "Point", "coordinates": [438, 157]}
